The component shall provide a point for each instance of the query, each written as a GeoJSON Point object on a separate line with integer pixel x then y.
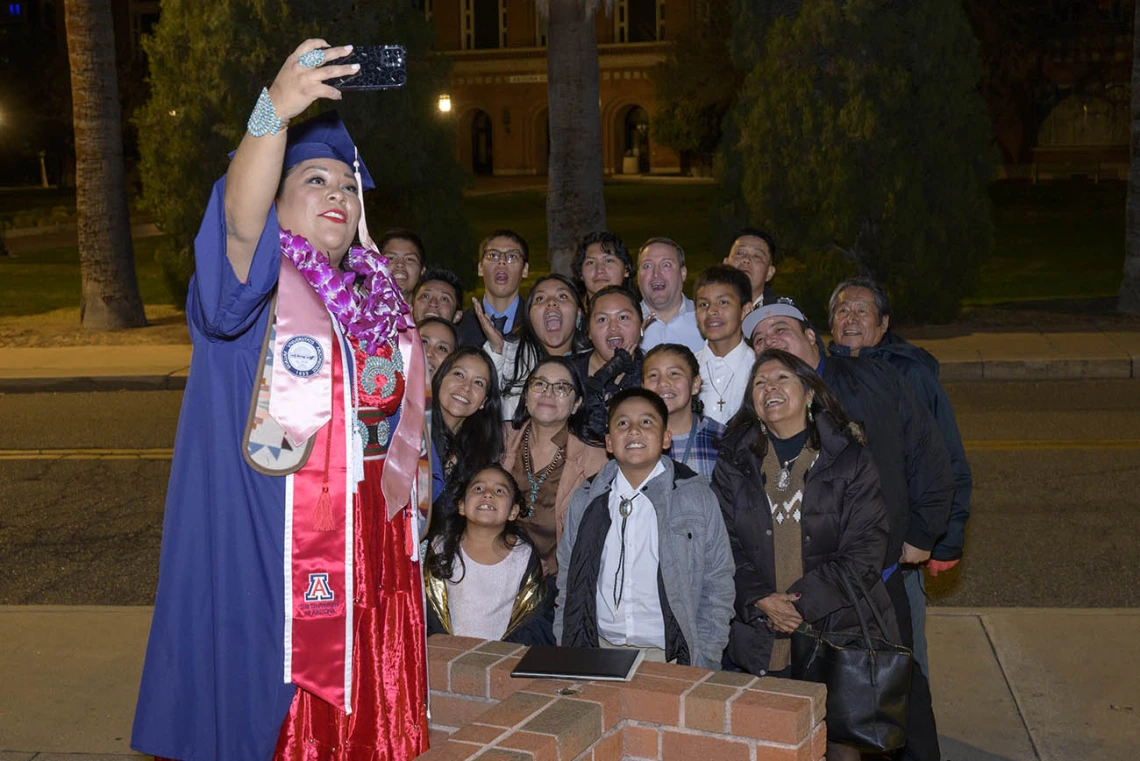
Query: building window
{"type": "Point", "coordinates": [427, 9]}
{"type": "Point", "coordinates": [502, 23]}
{"type": "Point", "coordinates": [541, 24]}
{"type": "Point", "coordinates": [639, 20]}
{"type": "Point", "coordinates": [468, 26]}
{"type": "Point", "coordinates": [485, 21]}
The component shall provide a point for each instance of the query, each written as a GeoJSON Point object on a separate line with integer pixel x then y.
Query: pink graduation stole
{"type": "Point", "coordinates": [311, 396]}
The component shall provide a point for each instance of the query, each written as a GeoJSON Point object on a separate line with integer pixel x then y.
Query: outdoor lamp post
{"type": "Point", "coordinates": [444, 103]}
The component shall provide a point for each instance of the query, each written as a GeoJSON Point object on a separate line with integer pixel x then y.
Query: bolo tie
{"type": "Point", "coordinates": [625, 507]}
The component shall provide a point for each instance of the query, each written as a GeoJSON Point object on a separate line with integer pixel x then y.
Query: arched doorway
{"type": "Point", "coordinates": [633, 131]}
{"type": "Point", "coordinates": [482, 148]}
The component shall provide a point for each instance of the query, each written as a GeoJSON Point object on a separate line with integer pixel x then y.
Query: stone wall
{"type": "Point", "coordinates": [671, 713]}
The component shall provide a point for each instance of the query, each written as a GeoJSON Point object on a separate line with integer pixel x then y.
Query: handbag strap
{"type": "Point", "coordinates": [849, 591]}
{"type": "Point", "coordinates": [851, 582]}
{"type": "Point", "coordinates": [878, 616]}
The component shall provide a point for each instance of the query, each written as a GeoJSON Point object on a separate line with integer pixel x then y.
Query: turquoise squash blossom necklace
{"type": "Point", "coordinates": [535, 480]}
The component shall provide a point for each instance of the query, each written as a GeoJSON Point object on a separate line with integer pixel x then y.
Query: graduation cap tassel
{"type": "Point", "coordinates": [362, 227]}
{"type": "Point", "coordinates": [322, 515]}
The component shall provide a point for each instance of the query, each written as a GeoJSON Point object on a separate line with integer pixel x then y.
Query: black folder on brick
{"type": "Point", "coordinates": [554, 662]}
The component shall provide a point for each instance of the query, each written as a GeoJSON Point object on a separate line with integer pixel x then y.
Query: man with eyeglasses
{"type": "Point", "coordinates": [504, 260]}
{"type": "Point", "coordinates": [753, 252]}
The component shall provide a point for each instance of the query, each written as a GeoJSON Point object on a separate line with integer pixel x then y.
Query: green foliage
{"type": "Point", "coordinates": [209, 61]}
{"type": "Point", "coordinates": [750, 24]}
{"type": "Point", "coordinates": [862, 132]}
{"type": "Point", "coordinates": [696, 84]}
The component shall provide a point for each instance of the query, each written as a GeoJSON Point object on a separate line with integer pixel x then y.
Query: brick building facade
{"type": "Point", "coordinates": [498, 82]}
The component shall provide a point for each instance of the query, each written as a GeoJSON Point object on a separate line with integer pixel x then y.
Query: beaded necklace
{"type": "Point", "coordinates": [536, 480]}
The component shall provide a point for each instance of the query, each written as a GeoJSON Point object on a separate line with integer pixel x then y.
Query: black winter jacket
{"type": "Point", "coordinates": [844, 526]}
{"type": "Point", "coordinates": [920, 370]}
{"type": "Point", "coordinates": [913, 465]}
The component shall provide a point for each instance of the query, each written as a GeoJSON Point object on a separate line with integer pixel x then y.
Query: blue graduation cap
{"type": "Point", "coordinates": [324, 136]}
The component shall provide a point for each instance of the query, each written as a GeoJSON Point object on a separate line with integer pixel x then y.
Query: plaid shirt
{"type": "Point", "coordinates": [706, 434]}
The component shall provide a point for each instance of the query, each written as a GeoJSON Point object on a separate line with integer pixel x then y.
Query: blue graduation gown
{"type": "Point", "coordinates": [213, 684]}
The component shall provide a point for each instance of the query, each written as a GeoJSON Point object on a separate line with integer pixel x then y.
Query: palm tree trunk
{"type": "Point", "coordinates": [109, 298]}
{"type": "Point", "coordinates": [1129, 300]}
{"type": "Point", "coordinates": [575, 204]}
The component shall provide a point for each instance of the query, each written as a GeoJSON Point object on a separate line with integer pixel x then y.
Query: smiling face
{"type": "Point", "coordinates": [436, 298]}
{"type": "Point", "coordinates": [780, 398]}
{"type": "Point", "coordinates": [553, 315]}
{"type": "Point", "coordinates": [463, 390]}
{"type": "Point", "coordinates": [501, 279]}
{"type": "Point", "coordinates": [601, 268]}
{"type": "Point", "coordinates": [438, 343]}
{"type": "Point", "coordinates": [786, 333]}
{"type": "Point", "coordinates": [614, 324]}
{"type": "Point", "coordinates": [405, 264]}
{"type": "Point", "coordinates": [318, 201]}
{"type": "Point", "coordinates": [549, 407]}
{"type": "Point", "coordinates": [660, 276]}
{"type": "Point", "coordinates": [752, 256]}
{"type": "Point", "coordinates": [720, 313]}
{"type": "Point", "coordinates": [489, 499]}
{"type": "Point", "coordinates": [670, 377]}
{"type": "Point", "coordinates": [637, 435]}
{"type": "Point", "coordinates": [856, 322]}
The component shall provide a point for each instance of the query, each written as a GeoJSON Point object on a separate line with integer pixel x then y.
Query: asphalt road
{"type": "Point", "coordinates": [1056, 509]}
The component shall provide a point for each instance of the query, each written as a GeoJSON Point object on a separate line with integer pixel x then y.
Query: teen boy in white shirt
{"type": "Point", "coordinates": [722, 298]}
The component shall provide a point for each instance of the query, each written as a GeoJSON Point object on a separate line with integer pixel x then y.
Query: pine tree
{"type": "Point", "coordinates": [863, 146]}
{"type": "Point", "coordinates": [209, 61]}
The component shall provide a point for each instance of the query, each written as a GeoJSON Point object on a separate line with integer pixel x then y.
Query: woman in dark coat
{"type": "Point", "coordinates": [802, 504]}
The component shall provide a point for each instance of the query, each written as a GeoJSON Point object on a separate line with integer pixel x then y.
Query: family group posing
{"type": "Point", "coordinates": [605, 462]}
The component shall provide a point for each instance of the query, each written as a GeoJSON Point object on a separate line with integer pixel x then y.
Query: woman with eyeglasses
{"type": "Point", "coordinates": [549, 325]}
{"type": "Point", "coordinates": [544, 448]}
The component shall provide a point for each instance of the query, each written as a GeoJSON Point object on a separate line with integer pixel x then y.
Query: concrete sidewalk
{"type": "Point", "coordinates": [1012, 684]}
{"type": "Point", "coordinates": [976, 356]}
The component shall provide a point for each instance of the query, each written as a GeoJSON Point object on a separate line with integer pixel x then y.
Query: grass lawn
{"type": "Point", "coordinates": [1054, 242]}
{"type": "Point", "coordinates": [41, 281]}
{"type": "Point", "coordinates": [1051, 241]}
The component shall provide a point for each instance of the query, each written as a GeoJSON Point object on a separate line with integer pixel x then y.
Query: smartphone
{"type": "Point", "coordinates": [382, 67]}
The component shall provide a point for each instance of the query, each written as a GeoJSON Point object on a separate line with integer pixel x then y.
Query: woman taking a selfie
{"type": "Point", "coordinates": [802, 505]}
{"type": "Point", "coordinates": [289, 613]}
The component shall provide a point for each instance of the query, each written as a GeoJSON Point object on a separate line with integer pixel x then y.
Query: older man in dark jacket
{"type": "Point", "coordinates": [860, 314]}
{"type": "Point", "coordinates": [913, 464]}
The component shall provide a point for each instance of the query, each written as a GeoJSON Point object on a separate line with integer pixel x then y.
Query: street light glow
{"type": "Point", "coordinates": [444, 103]}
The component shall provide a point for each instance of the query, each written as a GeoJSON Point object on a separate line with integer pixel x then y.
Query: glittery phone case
{"type": "Point", "coordinates": [382, 67]}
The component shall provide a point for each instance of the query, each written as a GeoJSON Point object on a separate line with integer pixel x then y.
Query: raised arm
{"type": "Point", "coordinates": [255, 172]}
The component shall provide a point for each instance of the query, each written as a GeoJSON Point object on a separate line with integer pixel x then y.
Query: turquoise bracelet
{"type": "Point", "coordinates": [264, 120]}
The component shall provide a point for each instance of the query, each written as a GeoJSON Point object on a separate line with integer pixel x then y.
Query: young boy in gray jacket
{"type": "Point", "coordinates": [644, 560]}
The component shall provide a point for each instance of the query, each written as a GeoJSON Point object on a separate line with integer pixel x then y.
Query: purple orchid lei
{"type": "Point", "coordinates": [371, 314]}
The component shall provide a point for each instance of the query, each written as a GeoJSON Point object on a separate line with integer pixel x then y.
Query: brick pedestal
{"type": "Point", "coordinates": [665, 713]}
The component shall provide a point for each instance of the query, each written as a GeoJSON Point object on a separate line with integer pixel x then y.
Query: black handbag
{"type": "Point", "coordinates": [867, 678]}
